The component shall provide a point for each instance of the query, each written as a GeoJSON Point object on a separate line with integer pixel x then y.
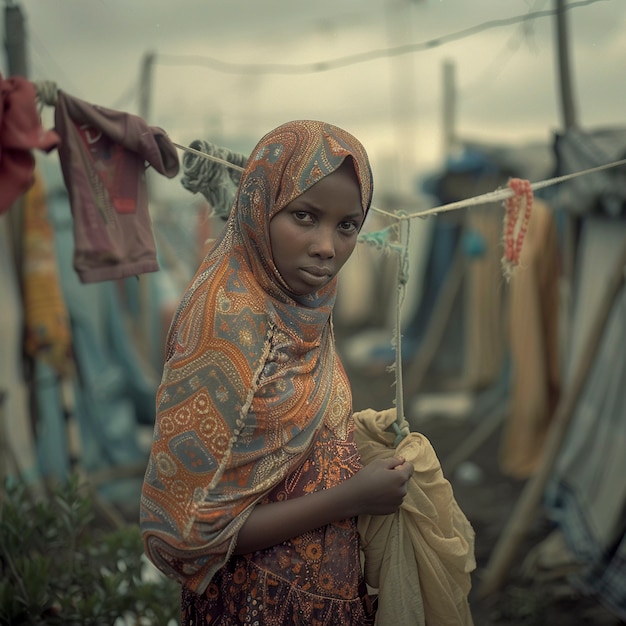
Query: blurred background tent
{"type": "Point", "coordinates": [491, 353]}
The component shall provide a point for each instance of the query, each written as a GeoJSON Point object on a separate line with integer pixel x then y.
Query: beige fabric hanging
{"type": "Point", "coordinates": [533, 334]}
{"type": "Point", "coordinates": [419, 558]}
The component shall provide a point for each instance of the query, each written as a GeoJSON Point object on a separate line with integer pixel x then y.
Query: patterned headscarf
{"type": "Point", "coordinates": [250, 372]}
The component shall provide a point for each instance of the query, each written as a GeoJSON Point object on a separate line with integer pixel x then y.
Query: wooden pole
{"type": "Point", "coordinates": [487, 426]}
{"type": "Point", "coordinates": [568, 107]}
{"type": "Point", "coordinates": [569, 120]}
{"type": "Point", "coordinates": [17, 65]}
{"type": "Point", "coordinates": [145, 85]}
{"type": "Point", "coordinates": [449, 107]}
{"type": "Point", "coordinates": [526, 507]}
{"type": "Point", "coordinates": [143, 322]}
{"type": "Point", "coordinates": [399, 27]}
{"type": "Point", "coordinates": [15, 40]}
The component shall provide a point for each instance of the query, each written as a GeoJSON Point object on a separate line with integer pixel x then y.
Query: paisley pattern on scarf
{"type": "Point", "coordinates": [251, 372]}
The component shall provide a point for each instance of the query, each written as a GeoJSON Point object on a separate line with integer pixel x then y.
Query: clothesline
{"type": "Point", "coordinates": [486, 198]}
{"type": "Point", "coordinates": [47, 90]}
{"type": "Point", "coordinates": [517, 198]}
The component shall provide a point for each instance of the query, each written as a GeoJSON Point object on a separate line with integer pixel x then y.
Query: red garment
{"type": "Point", "coordinates": [103, 157]}
{"type": "Point", "coordinates": [20, 132]}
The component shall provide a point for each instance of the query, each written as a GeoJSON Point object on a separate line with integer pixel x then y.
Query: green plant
{"type": "Point", "coordinates": [58, 566]}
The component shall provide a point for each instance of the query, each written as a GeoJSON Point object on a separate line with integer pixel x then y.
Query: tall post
{"type": "Point", "coordinates": [16, 447]}
{"type": "Point", "coordinates": [568, 107]}
{"type": "Point", "coordinates": [449, 107]}
{"type": "Point", "coordinates": [15, 40]}
{"type": "Point", "coordinates": [144, 323]}
{"type": "Point", "coordinates": [17, 65]}
{"type": "Point", "coordinates": [569, 121]}
{"type": "Point", "coordinates": [399, 24]}
{"type": "Point", "coordinates": [145, 85]}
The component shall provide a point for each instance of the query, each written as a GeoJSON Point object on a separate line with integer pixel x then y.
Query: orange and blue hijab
{"type": "Point", "coordinates": [250, 372]}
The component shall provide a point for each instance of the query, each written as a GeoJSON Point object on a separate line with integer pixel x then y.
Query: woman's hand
{"type": "Point", "coordinates": [379, 488]}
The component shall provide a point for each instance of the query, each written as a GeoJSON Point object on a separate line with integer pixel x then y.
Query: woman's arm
{"type": "Point", "coordinates": [377, 489]}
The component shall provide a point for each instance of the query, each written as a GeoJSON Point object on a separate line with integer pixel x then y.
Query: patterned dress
{"type": "Point", "coordinates": [314, 579]}
{"type": "Point", "coordinates": [254, 406]}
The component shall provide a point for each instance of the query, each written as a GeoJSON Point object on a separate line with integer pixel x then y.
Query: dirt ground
{"type": "Point", "coordinates": [488, 499]}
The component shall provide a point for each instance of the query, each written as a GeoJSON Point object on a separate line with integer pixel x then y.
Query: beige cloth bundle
{"type": "Point", "coordinates": [419, 558]}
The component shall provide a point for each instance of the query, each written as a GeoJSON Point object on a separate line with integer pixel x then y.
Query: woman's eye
{"type": "Point", "coordinates": [348, 227]}
{"type": "Point", "coordinates": [302, 216]}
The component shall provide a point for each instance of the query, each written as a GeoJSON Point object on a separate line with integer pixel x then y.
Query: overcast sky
{"type": "Point", "coordinates": [230, 70]}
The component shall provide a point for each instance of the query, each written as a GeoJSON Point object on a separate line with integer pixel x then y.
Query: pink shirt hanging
{"type": "Point", "coordinates": [20, 132]}
{"type": "Point", "coordinates": [104, 156]}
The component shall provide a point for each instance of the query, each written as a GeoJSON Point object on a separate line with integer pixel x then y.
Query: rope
{"type": "Point", "coordinates": [517, 199]}
{"type": "Point", "coordinates": [47, 95]}
{"type": "Point", "coordinates": [402, 278]}
{"type": "Point", "coordinates": [498, 195]}
{"type": "Point", "coordinates": [47, 92]}
{"type": "Point", "coordinates": [218, 184]}
{"type": "Point", "coordinates": [210, 157]}
{"type": "Point", "coordinates": [215, 172]}
{"type": "Point", "coordinates": [501, 194]}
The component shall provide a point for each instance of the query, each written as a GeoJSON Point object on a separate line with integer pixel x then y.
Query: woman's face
{"type": "Point", "coordinates": [315, 234]}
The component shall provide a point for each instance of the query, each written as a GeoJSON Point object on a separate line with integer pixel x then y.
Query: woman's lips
{"type": "Point", "coordinates": [315, 275]}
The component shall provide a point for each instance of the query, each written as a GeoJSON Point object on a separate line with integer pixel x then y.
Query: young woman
{"type": "Point", "coordinates": [254, 481]}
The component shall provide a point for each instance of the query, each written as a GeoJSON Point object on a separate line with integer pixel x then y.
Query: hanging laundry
{"type": "Point", "coordinates": [103, 156]}
{"type": "Point", "coordinates": [20, 132]}
{"type": "Point", "coordinates": [46, 319]}
{"type": "Point", "coordinates": [533, 331]}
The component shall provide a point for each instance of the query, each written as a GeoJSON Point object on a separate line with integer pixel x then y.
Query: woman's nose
{"type": "Point", "coordinates": [323, 243]}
